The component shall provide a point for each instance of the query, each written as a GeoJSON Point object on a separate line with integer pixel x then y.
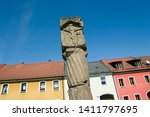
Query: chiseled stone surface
{"type": "Point", "coordinates": [74, 52]}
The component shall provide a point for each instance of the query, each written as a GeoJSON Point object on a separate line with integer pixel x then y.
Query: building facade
{"type": "Point", "coordinates": [37, 81]}
{"type": "Point", "coordinates": [112, 79]}
{"type": "Point", "coordinates": [131, 76]}
{"type": "Point", "coordinates": [101, 82]}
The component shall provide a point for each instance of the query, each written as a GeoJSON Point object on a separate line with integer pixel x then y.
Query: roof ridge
{"type": "Point", "coordinates": [41, 69]}
{"type": "Point", "coordinates": [94, 61]}
{"type": "Point", "coordinates": [35, 63]}
{"type": "Point", "coordinates": [126, 57]}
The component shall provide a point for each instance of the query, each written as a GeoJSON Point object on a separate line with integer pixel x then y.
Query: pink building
{"type": "Point", "coordinates": [131, 76]}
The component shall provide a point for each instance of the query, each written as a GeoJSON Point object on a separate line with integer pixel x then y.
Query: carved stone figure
{"type": "Point", "coordinates": [74, 52]}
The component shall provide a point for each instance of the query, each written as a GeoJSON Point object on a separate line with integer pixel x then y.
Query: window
{"type": "Point", "coordinates": [131, 79]}
{"type": "Point", "coordinates": [23, 87]}
{"type": "Point", "coordinates": [42, 86]}
{"type": "Point", "coordinates": [5, 88]}
{"type": "Point", "coordinates": [117, 65]}
{"type": "Point", "coordinates": [56, 85]}
{"type": "Point", "coordinates": [121, 82]}
{"type": "Point", "coordinates": [147, 79]}
{"type": "Point", "coordinates": [137, 97]}
{"type": "Point", "coordinates": [125, 97]}
{"type": "Point", "coordinates": [103, 80]}
{"type": "Point", "coordinates": [148, 95]}
{"type": "Point", "coordinates": [135, 63]}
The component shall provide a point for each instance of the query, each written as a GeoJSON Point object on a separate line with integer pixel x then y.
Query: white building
{"type": "Point", "coordinates": [101, 82]}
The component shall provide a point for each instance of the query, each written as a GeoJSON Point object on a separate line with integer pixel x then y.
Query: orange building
{"type": "Point", "coordinates": [36, 81]}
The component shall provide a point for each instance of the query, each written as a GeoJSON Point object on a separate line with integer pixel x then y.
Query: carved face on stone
{"type": "Point", "coordinates": [70, 27]}
{"type": "Point", "coordinates": [72, 35]}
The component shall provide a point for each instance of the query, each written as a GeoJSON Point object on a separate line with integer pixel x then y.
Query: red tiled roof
{"type": "Point", "coordinates": [34, 70]}
{"type": "Point", "coordinates": [2, 65]}
{"type": "Point", "coordinates": [126, 65]}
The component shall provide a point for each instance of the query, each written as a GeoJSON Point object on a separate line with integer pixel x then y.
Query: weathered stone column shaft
{"type": "Point", "coordinates": [74, 52]}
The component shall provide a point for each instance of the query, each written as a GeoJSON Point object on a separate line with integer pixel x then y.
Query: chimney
{"type": "Point", "coordinates": [21, 62]}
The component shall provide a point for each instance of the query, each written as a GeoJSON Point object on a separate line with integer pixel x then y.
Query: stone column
{"type": "Point", "coordinates": [74, 53]}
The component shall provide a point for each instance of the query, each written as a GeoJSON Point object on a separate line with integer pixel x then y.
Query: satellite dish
{"type": "Point", "coordinates": [147, 62]}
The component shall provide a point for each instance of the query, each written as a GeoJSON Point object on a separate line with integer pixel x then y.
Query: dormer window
{"type": "Point", "coordinates": [117, 65]}
{"type": "Point", "coordinates": [135, 63]}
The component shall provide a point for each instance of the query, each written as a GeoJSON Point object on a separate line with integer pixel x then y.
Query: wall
{"type": "Point", "coordinates": [33, 92]}
{"type": "Point", "coordinates": [66, 88]}
{"type": "Point", "coordinates": [98, 89]}
{"type": "Point", "coordinates": [141, 86]}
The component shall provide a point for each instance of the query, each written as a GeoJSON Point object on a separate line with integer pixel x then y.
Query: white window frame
{"type": "Point", "coordinates": [133, 80]}
{"type": "Point", "coordinates": [139, 95]}
{"type": "Point", "coordinates": [119, 65]}
{"type": "Point", "coordinates": [103, 80]}
{"type": "Point", "coordinates": [127, 96]}
{"type": "Point", "coordinates": [123, 82]}
{"type": "Point", "coordinates": [21, 87]}
{"type": "Point", "coordinates": [40, 86]}
{"type": "Point", "coordinates": [144, 78]}
{"type": "Point", "coordinates": [137, 63]}
{"type": "Point", "coordinates": [146, 94]}
{"type": "Point", "coordinates": [2, 88]}
{"type": "Point", "coordinates": [58, 85]}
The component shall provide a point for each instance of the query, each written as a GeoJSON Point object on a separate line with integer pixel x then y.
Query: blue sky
{"type": "Point", "coordinates": [30, 30]}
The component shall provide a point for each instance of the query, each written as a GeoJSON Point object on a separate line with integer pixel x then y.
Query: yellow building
{"type": "Point", "coordinates": [37, 81]}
